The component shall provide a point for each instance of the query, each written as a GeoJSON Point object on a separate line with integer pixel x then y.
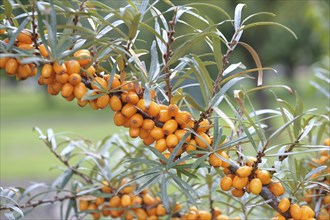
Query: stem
{"type": "Point", "coordinates": [34, 26]}
{"type": "Point", "coordinates": [167, 56]}
{"type": "Point", "coordinates": [76, 18]}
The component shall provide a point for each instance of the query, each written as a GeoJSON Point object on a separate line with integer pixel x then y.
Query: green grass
{"type": "Point", "coordinates": [22, 154]}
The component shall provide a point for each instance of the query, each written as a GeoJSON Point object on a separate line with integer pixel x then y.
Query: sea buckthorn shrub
{"type": "Point", "coordinates": [206, 154]}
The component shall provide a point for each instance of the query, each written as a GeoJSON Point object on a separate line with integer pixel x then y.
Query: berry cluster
{"type": "Point", "coordinates": [126, 204]}
{"type": "Point", "coordinates": [195, 214]}
{"type": "Point", "coordinates": [13, 66]}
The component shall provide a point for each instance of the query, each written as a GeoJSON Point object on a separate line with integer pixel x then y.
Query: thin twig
{"type": "Point", "coordinates": [34, 26]}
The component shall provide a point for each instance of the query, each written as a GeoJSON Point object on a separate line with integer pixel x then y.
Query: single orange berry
{"type": "Point", "coordinates": [62, 78]}
{"type": "Point", "coordinates": [191, 146]}
{"type": "Point", "coordinates": [25, 36]}
{"type": "Point", "coordinates": [276, 188]}
{"type": "Point", "coordinates": [99, 84]}
{"type": "Point", "coordinates": [141, 105]}
{"type": "Point", "coordinates": [115, 103]}
{"type": "Point", "coordinates": [43, 50]}
{"type": "Point", "coordinates": [284, 205]}
{"type": "Point", "coordinates": [161, 145]}
{"type": "Point", "coordinates": [255, 186]}
{"type": "Point", "coordinates": [143, 133]}
{"type": "Point", "coordinates": [173, 110]}
{"type": "Point", "coordinates": [163, 115]}
{"type": "Point", "coordinates": [149, 140]}
{"type": "Point", "coordinates": [295, 211]}
{"type": "Point", "coordinates": [264, 176]}
{"type": "Point", "coordinates": [72, 66]}
{"type": "Point", "coordinates": [203, 126]}
{"type": "Point", "coordinates": [79, 90]}
{"type": "Point", "coordinates": [148, 199]}
{"type": "Point", "coordinates": [205, 215]}
{"type": "Point", "coordinates": [11, 66]}
{"type": "Point", "coordinates": [134, 132]}
{"type": "Point", "coordinates": [240, 182]}
{"type": "Point", "coordinates": [103, 101]}
{"type": "Point", "coordinates": [136, 120]}
{"type": "Point", "coordinates": [180, 133]}
{"type": "Point", "coordinates": [244, 171]}
{"type": "Point", "coordinates": [119, 119]}
{"type": "Point", "coordinates": [183, 117]}
{"type": "Point", "coordinates": [237, 192]}
{"type": "Point", "coordinates": [214, 160]}
{"type": "Point", "coordinates": [326, 142]}
{"type": "Point", "coordinates": [83, 204]}
{"type": "Point", "coordinates": [160, 210]}
{"type": "Point", "coordinates": [148, 124]}
{"type": "Point", "coordinates": [59, 69]}
{"type": "Point", "coordinates": [132, 98]}
{"type": "Point", "coordinates": [153, 109]}
{"type": "Point", "coordinates": [3, 61]}
{"type": "Point", "coordinates": [170, 127]}
{"type": "Point", "coordinates": [23, 71]}
{"type": "Point", "coordinates": [114, 202]}
{"type": "Point", "coordinates": [157, 133]}
{"type": "Point", "coordinates": [226, 183]}
{"type": "Point", "coordinates": [67, 90]}
{"type": "Point", "coordinates": [172, 140]}
{"type": "Point", "coordinates": [84, 57]}
{"type": "Point", "coordinates": [128, 110]}
{"type": "Point", "coordinates": [202, 140]}
{"type": "Point", "coordinates": [74, 79]}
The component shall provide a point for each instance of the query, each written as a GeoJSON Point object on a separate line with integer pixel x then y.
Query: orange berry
{"type": "Point", "coordinates": [134, 132]}
{"type": "Point", "coordinates": [143, 133]}
{"type": "Point", "coordinates": [141, 105]}
{"type": "Point", "coordinates": [222, 217]}
{"type": "Point", "coordinates": [244, 171]}
{"type": "Point", "coordinates": [205, 215]}
{"type": "Point", "coordinates": [127, 86]}
{"type": "Point", "coordinates": [173, 110]}
{"type": "Point", "coordinates": [214, 160]}
{"type": "Point", "coordinates": [84, 57]}
{"type": "Point", "coordinates": [47, 71]}
{"type": "Point", "coordinates": [128, 110]}
{"type": "Point", "coordinates": [171, 149]}
{"type": "Point", "coordinates": [141, 214]}
{"type": "Point", "coordinates": [23, 71]}
{"type": "Point", "coordinates": [67, 90]}
{"type": "Point", "coordinates": [284, 205]}
{"type": "Point", "coordinates": [115, 103]}
{"type": "Point", "coordinates": [99, 201]}
{"type": "Point", "coordinates": [323, 215]}
{"type": "Point", "coordinates": [255, 186]}
{"type": "Point", "coordinates": [11, 66]}
{"type": "Point", "coordinates": [62, 78]}
{"type": "Point", "coordinates": [136, 120]}
{"type": "Point", "coordinates": [326, 142]}
{"type": "Point", "coordinates": [93, 104]}
{"type": "Point", "coordinates": [119, 119]}
{"type": "Point", "coordinates": [226, 183]}
{"type": "Point", "coordinates": [191, 146]}
{"type": "Point", "coordinates": [180, 133]}
{"type": "Point", "coordinates": [59, 69]}
{"type": "Point", "coordinates": [106, 187]}
{"type": "Point", "coordinates": [264, 176]}
{"type": "Point", "coordinates": [74, 79]}
{"type": "Point", "coordinates": [237, 192]}
{"type": "Point", "coordinates": [183, 117]}
{"type": "Point", "coordinates": [160, 210]}
{"type": "Point", "coordinates": [72, 66]}
{"type": "Point", "coordinates": [148, 124]}
{"type": "Point", "coordinates": [106, 210]}
{"type": "Point", "coordinates": [306, 212]}
{"type": "Point", "coordinates": [148, 199]}
{"type": "Point", "coordinates": [99, 84]}
{"type": "Point", "coordinates": [132, 98]}
{"type": "Point", "coordinates": [24, 46]}
{"type": "Point", "coordinates": [163, 115]}
{"type": "Point", "coordinates": [161, 145]}
{"type": "Point", "coordinates": [126, 200]}
{"type": "Point", "coordinates": [240, 182]}
{"type": "Point", "coordinates": [295, 211]}
{"type": "Point", "coordinates": [172, 140]}
{"type": "Point", "coordinates": [103, 101]}
{"type": "Point", "coordinates": [203, 126]}
{"type": "Point", "coordinates": [115, 83]}
{"type": "Point", "coordinates": [170, 127]}
{"type": "Point", "coordinates": [3, 61]}
{"type": "Point", "coordinates": [149, 140]}
{"type": "Point", "coordinates": [203, 140]}
{"type": "Point", "coordinates": [189, 125]}
{"type": "Point", "coordinates": [25, 37]}
{"type": "Point", "coordinates": [83, 204]}
{"type": "Point", "coordinates": [276, 188]}
{"type": "Point", "coordinates": [70, 97]}
{"type": "Point", "coordinates": [153, 109]}
{"type": "Point", "coordinates": [79, 90]}
{"type": "Point", "coordinates": [157, 133]}
{"type": "Point", "coordinates": [43, 50]}
{"type": "Point", "coordinates": [114, 202]}
{"type": "Point", "coordinates": [326, 200]}
{"type": "Point", "coordinates": [90, 72]}
{"type": "Point", "coordinates": [136, 200]}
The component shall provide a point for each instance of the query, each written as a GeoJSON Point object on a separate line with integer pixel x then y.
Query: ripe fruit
{"type": "Point", "coordinates": [237, 192]}
{"type": "Point", "coordinates": [161, 145]}
{"type": "Point", "coordinates": [99, 84]}
{"type": "Point", "coordinates": [295, 211]}
{"type": "Point", "coordinates": [153, 109]}
{"type": "Point", "coordinates": [163, 115]}
{"type": "Point", "coordinates": [148, 199]}
{"type": "Point", "coordinates": [83, 204]}
{"type": "Point", "coordinates": [222, 217]}
{"type": "Point", "coordinates": [255, 186]}
{"type": "Point", "coordinates": [183, 117]}
{"type": "Point", "coordinates": [119, 119]}
{"type": "Point", "coordinates": [25, 37]}
{"type": "Point", "coordinates": [103, 101]}
{"type": "Point", "coordinates": [284, 205]}
{"type": "Point", "coordinates": [132, 97]}
{"type": "Point", "coordinates": [326, 142]}
{"type": "Point", "coordinates": [134, 132]}
{"type": "Point", "coordinates": [43, 50]}
{"type": "Point", "coordinates": [115, 202]}
{"type": "Point", "coordinates": [160, 210]}
{"type": "Point", "coordinates": [62, 78]}
{"type": "Point", "coordinates": [105, 187]}
{"type": "Point", "coordinates": [240, 182]}
{"type": "Point", "coordinates": [172, 140]}
{"type": "Point", "coordinates": [214, 160]}
{"type": "Point", "coordinates": [173, 110]}
{"type": "Point", "coordinates": [203, 126]}
{"type": "Point", "coordinates": [170, 127]}
{"type": "Point", "coordinates": [264, 176]}
{"type": "Point", "coordinates": [149, 140]}
{"type": "Point", "coordinates": [136, 120]}
{"type": "Point", "coordinates": [115, 103]}
{"type": "Point", "coordinates": [79, 90]}
{"type": "Point", "coordinates": [67, 90]}
{"type": "Point", "coordinates": [128, 110]}
{"type": "Point", "coordinates": [23, 71]}
{"type": "Point", "coordinates": [191, 146]}
{"type": "Point", "coordinates": [74, 79]}
{"type": "Point", "coordinates": [202, 140]}
{"type": "Point", "coordinates": [180, 133]}
{"type": "Point", "coordinates": [226, 183]}
{"type": "Point", "coordinates": [59, 69]}
{"type": "Point", "coordinates": [84, 57]}
{"type": "Point", "coordinates": [205, 215]}
{"type": "Point", "coordinates": [3, 61]}
{"type": "Point", "coordinates": [47, 70]}
{"type": "Point", "coordinates": [72, 66]}
{"type": "Point", "coordinates": [306, 212]}
{"type": "Point", "coordinates": [126, 200]}
{"type": "Point", "coordinates": [157, 133]}
{"type": "Point", "coordinates": [148, 124]}
{"type": "Point", "coordinates": [244, 171]}
{"type": "Point", "coordinates": [276, 188]}
{"type": "Point", "coordinates": [11, 66]}
{"type": "Point", "coordinates": [143, 133]}
{"type": "Point", "coordinates": [141, 105]}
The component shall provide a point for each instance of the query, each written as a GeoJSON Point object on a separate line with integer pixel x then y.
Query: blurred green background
{"type": "Point", "coordinates": [25, 105]}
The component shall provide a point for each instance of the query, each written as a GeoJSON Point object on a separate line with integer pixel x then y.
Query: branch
{"type": "Point", "coordinates": [168, 54]}
{"type": "Point", "coordinates": [34, 26]}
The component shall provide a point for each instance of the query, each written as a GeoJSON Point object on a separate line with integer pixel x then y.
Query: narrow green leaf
{"type": "Point", "coordinates": [8, 8]}
{"type": "Point", "coordinates": [163, 191]}
{"type": "Point", "coordinates": [238, 15]}
{"type": "Point", "coordinates": [269, 23]}
{"type": "Point", "coordinates": [298, 111]}
{"type": "Point", "coordinates": [176, 150]}
{"type": "Point", "coordinates": [16, 33]}
{"type": "Point", "coordinates": [314, 171]}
